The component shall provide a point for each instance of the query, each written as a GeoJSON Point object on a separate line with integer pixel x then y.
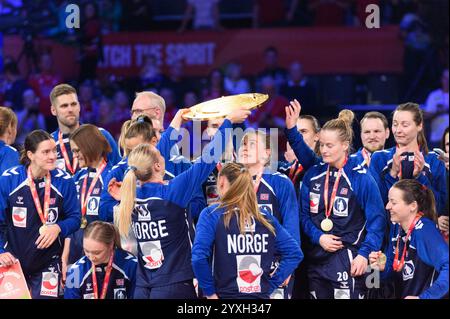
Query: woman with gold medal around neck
{"type": "Point", "coordinates": [341, 214]}
{"type": "Point", "coordinates": [90, 148]}
{"type": "Point", "coordinates": [38, 208]}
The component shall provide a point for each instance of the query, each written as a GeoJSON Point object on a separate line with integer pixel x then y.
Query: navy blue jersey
{"type": "Point", "coordinates": [241, 263]}
{"type": "Point", "coordinates": [358, 214]}
{"type": "Point", "coordinates": [276, 196]}
{"type": "Point", "coordinates": [295, 171]}
{"type": "Point", "coordinates": [121, 282]}
{"type": "Point", "coordinates": [159, 220]}
{"type": "Point", "coordinates": [432, 176]}
{"type": "Point", "coordinates": [305, 155]}
{"type": "Point", "coordinates": [175, 165]}
{"type": "Point", "coordinates": [20, 222]}
{"type": "Point", "coordinates": [425, 272]}
{"type": "Point", "coordinates": [9, 157]}
{"type": "Point", "coordinates": [93, 202]}
{"type": "Point", "coordinates": [113, 157]}
{"type": "Point", "coordinates": [107, 202]}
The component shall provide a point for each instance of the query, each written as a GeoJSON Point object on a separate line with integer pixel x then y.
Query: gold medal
{"type": "Point", "coordinates": [382, 259]}
{"type": "Point", "coordinates": [83, 222]}
{"type": "Point", "coordinates": [42, 229]}
{"type": "Point", "coordinates": [326, 224]}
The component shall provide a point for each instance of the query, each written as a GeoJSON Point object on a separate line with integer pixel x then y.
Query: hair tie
{"type": "Point", "coordinates": [243, 169]}
{"type": "Point", "coordinates": [424, 188]}
{"type": "Point", "coordinates": [140, 119]}
{"type": "Point", "coordinates": [133, 168]}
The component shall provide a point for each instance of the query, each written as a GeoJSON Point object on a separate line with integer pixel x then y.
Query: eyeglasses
{"type": "Point", "coordinates": [140, 111]}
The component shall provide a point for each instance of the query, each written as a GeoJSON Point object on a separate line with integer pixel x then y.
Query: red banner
{"type": "Point", "coordinates": [322, 50]}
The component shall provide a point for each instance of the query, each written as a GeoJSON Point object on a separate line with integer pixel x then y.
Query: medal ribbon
{"type": "Point", "coordinates": [257, 181]}
{"type": "Point", "coordinates": [71, 167]}
{"type": "Point", "coordinates": [105, 282]}
{"type": "Point", "coordinates": [366, 156]}
{"type": "Point", "coordinates": [43, 215]}
{"type": "Point", "coordinates": [294, 171]}
{"type": "Point", "coordinates": [84, 197]}
{"type": "Point", "coordinates": [398, 264]}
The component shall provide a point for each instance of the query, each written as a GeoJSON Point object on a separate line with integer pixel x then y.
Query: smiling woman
{"type": "Point", "coordinates": [38, 207]}
{"type": "Point", "coordinates": [90, 148]}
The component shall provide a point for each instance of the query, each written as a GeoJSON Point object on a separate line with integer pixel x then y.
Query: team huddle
{"type": "Point", "coordinates": [89, 218]}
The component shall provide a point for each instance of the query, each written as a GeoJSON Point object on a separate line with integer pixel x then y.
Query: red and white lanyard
{"type": "Point", "coordinates": [71, 167]}
{"type": "Point", "coordinates": [105, 281]}
{"type": "Point", "coordinates": [398, 264]}
{"type": "Point", "coordinates": [43, 213]}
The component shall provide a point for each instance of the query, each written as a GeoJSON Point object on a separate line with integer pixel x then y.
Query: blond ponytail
{"type": "Point", "coordinates": [127, 200]}
{"type": "Point", "coordinates": [140, 161]}
{"type": "Point", "coordinates": [240, 200]}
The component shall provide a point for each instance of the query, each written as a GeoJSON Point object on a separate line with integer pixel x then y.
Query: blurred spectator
{"type": "Point", "coordinates": [122, 105]}
{"type": "Point", "coordinates": [29, 119]}
{"type": "Point", "coordinates": [136, 15]}
{"type": "Point", "coordinates": [111, 13]}
{"type": "Point", "coordinates": [15, 86]}
{"type": "Point", "coordinates": [436, 109]}
{"type": "Point", "coordinates": [109, 117]}
{"type": "Point", "coordinates": [233, 82]}
{"type": "Point", "coordinates": [393, 11]}
{"type": "Point", "coordinates": [215, 86]}
{"type": "Point", "coordinates": [190, 98]}
{"type": "Point", "coordinates": [150, 74]}
{"type": "Point", "coordinates": [328, 12]}
{"type": "Point", "coordinates": [176, 81]}
{"type": "Point", "coordinates": [171, 108]}
{"type": "Point", "coordinates": [91, 42]}
{"type": "Point", "coordinates": [271, 68]}
{"type": "Point", "coordinates": [298, 13]}
{"type": "Point", "coordinates": [268, 13]}
{"type": "Point", "coordinates": [204, 13]}
{"type": "Point", "coordinates": [9, 6]}
{"type": "Point", "coordinates": [417, 56]}
{"type": "Point", "coordinates": [271, 113]}
{"type": "Point", "coordinates": [42, 83]}
{"type": "Point", "coordinates": [299, 88]}
{"type": "Point", "coordinates": [89, 105]}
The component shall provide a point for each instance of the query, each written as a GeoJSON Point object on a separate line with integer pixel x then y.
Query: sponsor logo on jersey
{"type": "Point", "coordinates": [341, 293]}
{"type": "Point", "coordinates": [314, 200]}
{"type": "Point", "coordinates": [52, 215]}
{"type": "Point", "coordinates": [408, 270]}
{"type": "Point", "coordinates": [152, 254]}
{"type": "Point", "coordinates": [49, 285]}
{"type": "Point", "coordinates": [249, 273]}
{"type": "Point", "coordinates": [266, 209]}
{"type": "Point", "coordinates": [120, 293]}
{"type": "Point", "coordinates": [340, 206]}
{"type": "Point", "coordinates": [92, 205]}
{"type": "Point", "coordinates": [19, 216]}
{"type": "Point", "coordinates": [264, 196]}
